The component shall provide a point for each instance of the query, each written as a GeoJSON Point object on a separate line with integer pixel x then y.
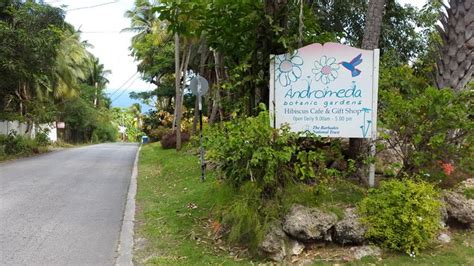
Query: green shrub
{"type": "Point", "coordinates": [402, 215]}
{"type": "Point", "coordinates": [42, 138]}
{"type": "Point", "coordinates": [249, 149]}
{"type": "Point", "coordinates": [17, 144]}
{"type": "Point", "coordinates": [428, 126]}
{"type": "Point", "coordinates": [105, 132]}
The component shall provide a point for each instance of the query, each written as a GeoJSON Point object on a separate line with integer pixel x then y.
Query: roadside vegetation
{"type": "Point", "coordinates": [261, 178]}
{"type": "Point", "coordinates": [14, 146]}
{"type": "Point", "coordinates": [179, 218]}
{"type": "Point", "coordinates": [48, 76]}
{"type": "Point", "coordinates": [173, 218]}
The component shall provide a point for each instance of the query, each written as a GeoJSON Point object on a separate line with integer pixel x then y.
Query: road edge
{"type": "Point", "coordinates": [125, 246]}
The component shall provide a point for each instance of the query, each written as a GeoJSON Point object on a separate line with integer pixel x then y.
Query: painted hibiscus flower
{"type": "Point", "coordinates": [325, 70]}
{"type": "Point", "coordinates": [289, 68]}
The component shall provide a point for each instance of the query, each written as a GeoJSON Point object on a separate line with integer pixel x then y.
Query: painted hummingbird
{"type": "Point", "coordinates": [351, 66]}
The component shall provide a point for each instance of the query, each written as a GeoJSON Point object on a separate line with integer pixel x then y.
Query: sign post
{"type": "Point", "coordinates": [329, 90]}
{"type": "Point", "coordinates": [199, 86]}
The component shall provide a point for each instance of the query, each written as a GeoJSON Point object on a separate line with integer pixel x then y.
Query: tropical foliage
{"type": "Point", "coordinates": [47, 74]}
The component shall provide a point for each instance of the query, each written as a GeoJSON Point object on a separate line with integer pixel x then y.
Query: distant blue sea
{"type": "Point", "coordinates": [125, 101]}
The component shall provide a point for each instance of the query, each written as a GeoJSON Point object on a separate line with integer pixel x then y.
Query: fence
{"type": "Point", "coordinates": [22, 129]}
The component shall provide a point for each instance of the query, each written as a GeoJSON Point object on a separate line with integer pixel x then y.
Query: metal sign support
{"type": "Point", "coordinates": [203, 162]}
{"type": "Point", "coordinates": [375, 88]}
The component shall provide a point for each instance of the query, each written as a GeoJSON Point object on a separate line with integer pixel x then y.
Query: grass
{"type": "Point", "coordinates": [459, 252]}
{"type": "Point", "coordinates": [7, 157]}
{"type": "Point", "coordinates": [173, 209]}
{"type": "Point", "coordinates": [170, 231]}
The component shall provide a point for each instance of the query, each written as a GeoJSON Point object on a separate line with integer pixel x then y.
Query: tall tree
{"type": "Point", "coordinates": [71, 66]}
{"type": "Point", "coordinates": [373, 24]}
{"type": "Point", "coordinates": [455, 66]}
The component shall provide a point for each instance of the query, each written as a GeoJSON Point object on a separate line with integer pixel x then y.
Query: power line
{"type": "Point", "coordinates": [53, 1]}
{"type": "Point", "coordinates": [121, 86]}
{"type": "Point", "coordinates": [116, 98]}
{"type": "Point", "coordinates": [94, 6]}
{"type": "Point", "coordinates": [101, 32]}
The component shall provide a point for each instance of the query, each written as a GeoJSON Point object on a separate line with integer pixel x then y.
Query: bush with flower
{"type": "Point", "coordinates": [431, 130]}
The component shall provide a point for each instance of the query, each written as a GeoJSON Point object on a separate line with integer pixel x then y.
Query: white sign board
{"type": "Point", "coordinates": [122, 129]}
{"type": "Point", "coordinates": [60, 125]}
{"type": "Point", "coordinates": [329, 90]}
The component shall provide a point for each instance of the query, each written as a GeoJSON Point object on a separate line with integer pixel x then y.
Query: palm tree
{"type": "Point", "coordinates": [455, 66]}
{"type": "Point", "coordinates": [71, 66]}
{"type": "Point", "coordinates": [143, 20]}
{"type": "Point", "coordinates": [96, 77]}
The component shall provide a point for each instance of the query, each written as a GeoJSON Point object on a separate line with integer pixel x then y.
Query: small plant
{"type": "Point", "coordinates": [469, 193]}
{"type": "Point", "coordinates": [402, 215]}
{"type": "Point", "coordinates": [168, 141]}
{"type": "Point", "coordinates": [42, 138]}
{"type": "Point", "coordinates": [245, 223]}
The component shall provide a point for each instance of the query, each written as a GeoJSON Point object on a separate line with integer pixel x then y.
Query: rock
{"type": "Point", "coordinates": [274, 243]}
{"type": "Point", "coordinates": [295, 248]}
{"type": "Point", "coordinates": [466, 184]}
{"type": "Point", "coordinates": [444, 238]}
{"type": "Point", "coordinates": [364, 251]}
{"type": "Point", "coordinates": [350, 229]}
{"type": "Point", "coordinates": [306, 224]}
{"type": "Point", "coordinates": [459, 207]}
{"type": "Point", "coordinates": [277, 246]}
{"type": "Point", "coordinates": [388, 160]}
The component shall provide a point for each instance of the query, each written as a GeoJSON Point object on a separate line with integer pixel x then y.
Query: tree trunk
{"type": "Point", "coordinates": [301, 25]}
{"type": "Point", "coordinates": [177, 117]}
{"type": "Point", "coordinates": [358, 147]}
{"type": "Point", "coordinates": [216, 104]}
{"type": "Point", "coordinates": [455, 66]}
{"type": "Point", "coordinates": [373, 24]}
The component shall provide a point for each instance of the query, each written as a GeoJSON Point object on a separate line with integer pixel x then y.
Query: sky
{"type": "Point", "coordinates": [101, 23]}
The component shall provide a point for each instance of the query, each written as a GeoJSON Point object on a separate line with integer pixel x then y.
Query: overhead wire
{"type": "Point", "coordinates": [93, 6]}
{"type": "Point", "coordinates": [103, 32]}
{"type": "Point", "coordinates": [118, 96]}
{"type": "Point", "coordinates": [123, 85]}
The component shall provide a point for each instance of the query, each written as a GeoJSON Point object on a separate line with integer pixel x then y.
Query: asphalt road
{"type": "Point", "coordinates": [64, 207]}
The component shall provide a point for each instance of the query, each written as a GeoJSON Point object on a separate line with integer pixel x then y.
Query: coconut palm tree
{"type": "Point", "coordinates": [97, 77]}
{"type": "Point", "coordinates": [455, 66]}
{"type": "Point", "coordinates": [71, 66]}
{"type": "Point", "coordinates": [143, 20]}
